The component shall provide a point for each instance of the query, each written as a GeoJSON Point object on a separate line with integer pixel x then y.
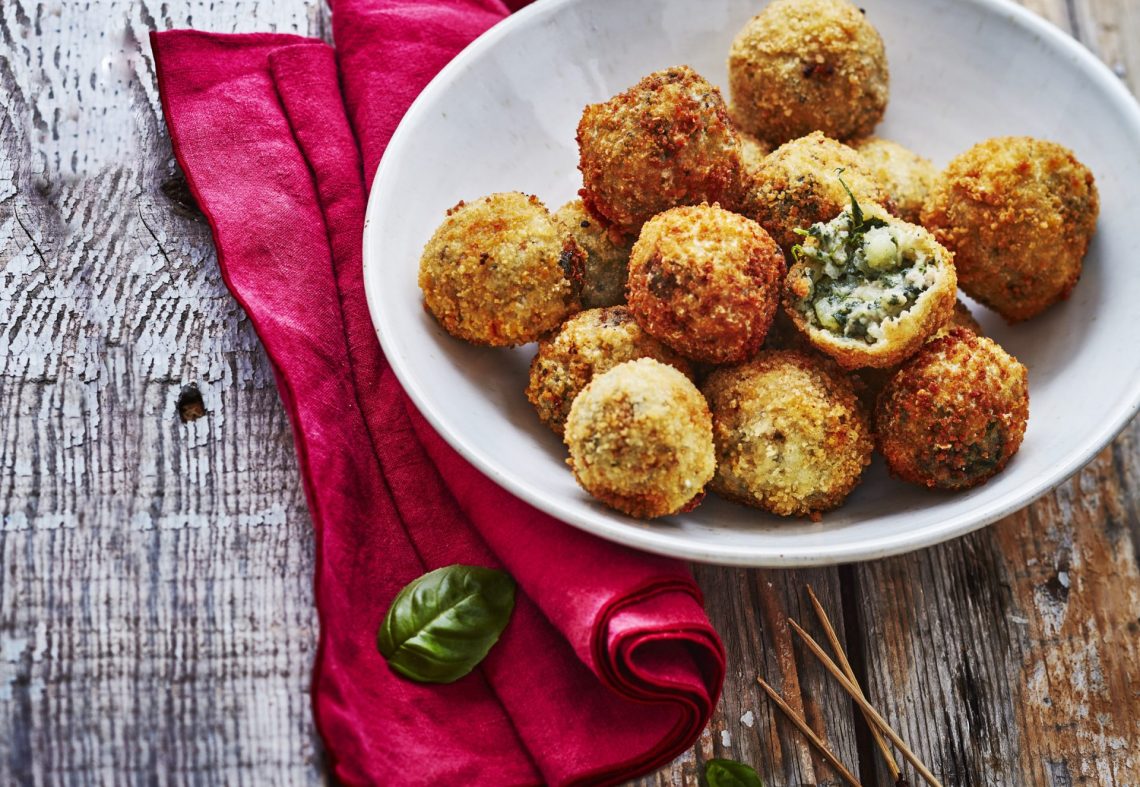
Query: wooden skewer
{"type": "Point", "coordinates": [841, 656]}
{"type": "Point", "coordinates": [809, 733]}
{"type": "Point", "coordinates": [862, 703]}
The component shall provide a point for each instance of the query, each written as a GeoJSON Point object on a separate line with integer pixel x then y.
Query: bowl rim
{"type": "Point", "coordinates": [617, 528]}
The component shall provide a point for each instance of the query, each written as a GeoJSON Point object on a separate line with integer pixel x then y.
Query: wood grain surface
{"type": "Point", "coordinates": [156, 620]}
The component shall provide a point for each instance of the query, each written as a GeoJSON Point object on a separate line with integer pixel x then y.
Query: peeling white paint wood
{"type": "Point", "coordinates": [156, 619]}
{"type": "Point", "coordinates": [1012, 656]}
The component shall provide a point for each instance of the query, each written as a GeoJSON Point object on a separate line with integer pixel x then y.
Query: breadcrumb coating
{"type": "Point", "coordinates": [796, 186]}
{"type": "Point", "coordinates": [791, 436]}
{"type": "Point", "coordinates": [753, 151]}
{"type": "Point", "coordinates": [666, 141]}
{"type": "Point", "coordinates": [499, 272]}
{"type": "Point", "coordinates": [955, 413]}
{"type": "Point", "coordinates": [640, 439]}
{"type": "Point", "coordinates": [808, 65]}
{"type": "Point", "coordinates": [607, 263]}
{"type": "Point", "coordinates": [905, 175]}
{"type": "Point", "coordinates": [870, 298]}
{"type": "Point", "coordinates": [589, 343]}
{"type": "Point", "coordinates": [869, 382]}
{"type": "Point", "coordinates": [1019, 214]}
{"type": "Point", "coordinates": [962, 317]}
{"type": "Point", "coordinates": [706, 282]}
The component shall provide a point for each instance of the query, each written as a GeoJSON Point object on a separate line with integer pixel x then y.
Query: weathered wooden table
{"type": "Point", "coordinates": [156, 619]}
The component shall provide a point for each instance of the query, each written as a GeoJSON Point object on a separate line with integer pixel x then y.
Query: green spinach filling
{"type": "Point", "coordinates": [862, 271]}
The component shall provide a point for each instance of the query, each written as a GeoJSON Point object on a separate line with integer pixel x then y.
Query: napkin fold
{"type": "Point", "coordinates": [609, 666]}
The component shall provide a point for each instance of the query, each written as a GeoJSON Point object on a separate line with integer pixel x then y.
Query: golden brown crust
{"type": "Point", "coordinates": [962, 317]}
{"type": "Point", "coordinates": [954, 415]}
{"type": "Point", "coordinates": [607, 263]}
{"type": "Point", "coordinates": [902, 335]}
{"type": "Point", "coordinates": [906, 176]}
{"type": "Point", "coordinates": [666, 141]}
{"type": "Point", "coordinates": [640, 439]}
{"type": "Point", "coordinates": [797, 186]}
{"type": "Point", "coordinates": [791, 435]}
{"type": "Point", "coordinates": [1019, 214]}
{"type": "Point", "coordinates": [706, 282]}
{"type": "Point", "coordinates": [806, 65]}
{"type": "Point", "coordinates": [589, 343]}
{"type": "Point", "coordinates": [753, 151]}
{"type": "Point", "coordinates": [869, 382]}
{"type": "Point", "coordinates": [499, 272]}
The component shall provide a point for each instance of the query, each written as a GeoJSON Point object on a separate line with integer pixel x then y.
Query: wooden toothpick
{"type": "Point", "coordinates": [841, 656]}
{"type": "Point", "coordinates": [809, 733]}
{"type": "Point", "coordinates": [873, 714]}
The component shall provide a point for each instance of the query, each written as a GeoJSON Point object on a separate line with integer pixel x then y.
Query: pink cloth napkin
{"type": "Point", "coordinates": [609, 667]}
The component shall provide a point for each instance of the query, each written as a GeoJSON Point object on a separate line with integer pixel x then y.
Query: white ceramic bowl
{"type": "Point", "coordinates": [502, 117]}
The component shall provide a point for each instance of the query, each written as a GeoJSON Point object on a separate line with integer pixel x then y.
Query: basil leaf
{"type": "Point", "coordinates": [441, 625]}
{"type": "Point", "coordinates": [875, 221]}
{"type": "Point", "coordinates": [730, 773]}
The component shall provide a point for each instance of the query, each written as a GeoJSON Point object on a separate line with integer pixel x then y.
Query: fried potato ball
{"type": "Point", "coordinates": [589, 343]}
{"type": "Point", "coordinates": [868, 289]}
{"type": "Point", "coordinates": [607, 263]}
{"type": "Point", "coordinates": [797, 186]}
{"type": "Point", "coordinates": [499, 272]}
{"type": "Point", "coordinates": [791, 436]}
{"type": "Point", "coordinates": [640, 439]}
{"type": "Point", "coordinates": [955, 413]}
{"type": "Point", "coordinates": [906, 176]}
{"type": "Point", "coordinates": [706, 282]}
{"type": "Point", "coordinates": [808, 65]}
{"type": "Point", "coordinates": [666, 141]}
{"type": "Point", "coordinates": [1019, 214]}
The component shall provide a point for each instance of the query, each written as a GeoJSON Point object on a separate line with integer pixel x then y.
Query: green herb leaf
{"type": "Point", "coordinates": [856, 211]}
{"type": "Point", "coordinates": [730, 773]}
{"type": "Point", "coordinates": [859, 223]}
{"type": "Point", "coordinates": [441, 625]}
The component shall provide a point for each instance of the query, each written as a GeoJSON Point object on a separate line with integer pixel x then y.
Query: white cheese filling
{"type": "Point", "coordinates": [862, 279]}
